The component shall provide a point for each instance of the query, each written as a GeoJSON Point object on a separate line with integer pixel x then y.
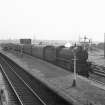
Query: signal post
{"type": "Point", "coordinates": [75, 59]}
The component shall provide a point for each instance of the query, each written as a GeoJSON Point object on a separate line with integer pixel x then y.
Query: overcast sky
{"type": "Point", "coordinates": [52, 19]}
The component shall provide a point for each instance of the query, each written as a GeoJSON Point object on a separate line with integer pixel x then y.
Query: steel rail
{"type": "Point", "coordinates": [99, 70]}
{"type": "Point", "coordinates": [11, 84]}
{"type": "Point", "coordinates": [97, 81]}
{"type": "Point", "coordinates": [23, 82]}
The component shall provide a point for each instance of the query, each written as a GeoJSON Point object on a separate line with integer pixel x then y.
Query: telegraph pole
{"type": "Point", "coordinates": [74, 80]}
{"type": "Point", "coordinates": [75, 59]}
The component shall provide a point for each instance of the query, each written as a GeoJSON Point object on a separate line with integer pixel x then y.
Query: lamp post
{"type": "Point", "coordinates": [75, 59]}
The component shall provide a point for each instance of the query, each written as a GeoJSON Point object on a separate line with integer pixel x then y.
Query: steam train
{"type": "Point", "coordinates": [58, 55]}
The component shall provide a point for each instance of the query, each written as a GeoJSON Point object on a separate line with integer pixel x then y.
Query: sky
{"type": "Point", "coordinates": [52, 19]}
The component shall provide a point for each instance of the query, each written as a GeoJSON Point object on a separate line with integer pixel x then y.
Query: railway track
{"type": "Point", "coordinates": [97, 81]}
{"type": "Point", "coordinates": [98, 71]}
{"type": "Point", "coordinates": [28, 89]}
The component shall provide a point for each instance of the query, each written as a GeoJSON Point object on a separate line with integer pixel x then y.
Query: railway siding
{"type": "Point", "coordinates": [61, 81]}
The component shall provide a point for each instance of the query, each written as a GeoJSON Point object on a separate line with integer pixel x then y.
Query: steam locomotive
{"type": "Point", "coordinates": [58, 55]}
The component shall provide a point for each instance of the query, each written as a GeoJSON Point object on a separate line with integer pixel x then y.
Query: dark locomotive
{"type": "Point", "coordinates": [60, 56]}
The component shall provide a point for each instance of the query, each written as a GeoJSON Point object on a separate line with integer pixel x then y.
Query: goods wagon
{"type": "Point", "coordinates": [9, 46]}
{"type": "Point", "coordinates": [4, 46]}
{"type": "Point", "coordinates": [50, 53]}
{"type": "Point", "coordinates": [26, 49]}
{"type": "Point", "coordinates": [38, 51]}
{"type": "Point", "coordinates": [19, 47]}
{"type": "Point", "coordinates": [14, 47]}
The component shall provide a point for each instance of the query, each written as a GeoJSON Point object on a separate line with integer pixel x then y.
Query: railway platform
{"type": "Point", "coordinates": [86, 91]}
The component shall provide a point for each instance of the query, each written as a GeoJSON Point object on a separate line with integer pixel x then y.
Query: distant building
{"type": "Point", "coordinates": [25, 41]}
